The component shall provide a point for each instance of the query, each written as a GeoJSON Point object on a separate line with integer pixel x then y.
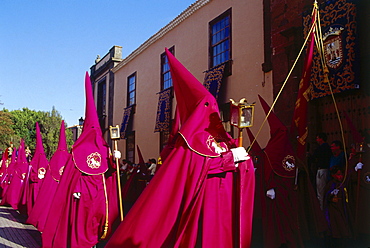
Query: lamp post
{"type": "Point", "coordinates": [241, 116]}
{"type": "Point", "coordinates": [114, 135]}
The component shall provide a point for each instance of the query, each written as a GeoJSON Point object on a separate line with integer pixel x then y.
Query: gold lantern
{"type": "Point", "coordinates": [241, 116]}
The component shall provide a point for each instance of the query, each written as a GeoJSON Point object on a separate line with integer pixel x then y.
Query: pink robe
{"type": "Point", "coordinates": [14, 192]}
{"type": "Point", "coordinates": [38, 168]}
{"type": "Point", "coordinates": [293, 215]}
{"type": "Point", "coordinates": [7, 170]}
{"type": "Point", "coordinates": [198, 198]}
{"type": "Point", "coordinates": [192, 201]}
{"type": "Point", "coordinates": [81, 220]}
{"type": "Point", "coordinates": [73, 222]}
{"type": "Point", "coordinates": [40, 210]}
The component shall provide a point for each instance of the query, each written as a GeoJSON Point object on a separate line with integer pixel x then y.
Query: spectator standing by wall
{"type": "Point", "coordinates": [321, 160]}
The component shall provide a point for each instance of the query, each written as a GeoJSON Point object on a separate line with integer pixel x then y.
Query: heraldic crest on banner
{"type": "Point", "coordinates": [333, 47]}
{"type": "Point", "coordinates": [338, 22]}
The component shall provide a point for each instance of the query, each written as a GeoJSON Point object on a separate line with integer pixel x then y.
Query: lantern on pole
{"type": "Point", "coordinates": [115, 136]}
{"type": "Point", "coordinates": [241, 116]}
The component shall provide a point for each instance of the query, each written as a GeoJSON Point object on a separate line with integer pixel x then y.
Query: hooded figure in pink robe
{"type": "Point", "coordinates": [5, 161]}
{"type": "Point", "coordinates": [280, 217]}
{"type": "Point", "coordinates": [200, 197]}
{"type": "Point", "coordinates": [85, 204]}
{"type": "Point", "coordinates": [13, 194]}
{"type": "Point", "coordinates": [40, 210]}
{"type": "Point", "coordinates": [37, 171]}
{"type": "Point", "coordinates": [9, 160]}
{"type": "Point", "coordinates": [291, 213]}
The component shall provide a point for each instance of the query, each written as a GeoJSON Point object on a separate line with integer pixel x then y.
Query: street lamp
{"type": "Point", "coordinates": [241, 116]}
{"type": "Point", "coordinates": [114, 135]}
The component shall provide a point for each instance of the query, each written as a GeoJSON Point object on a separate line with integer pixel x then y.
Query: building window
{"type": "Point", "coordinates": [130, 147]}
{"type": "Point", "coordinates": [166, 82]}
{"type": "Point", "coordinates": [166, 79]}
{"type": "Point", "coordinates": [131, 89]}
{"type": "Point", "coordinates": [101, 103]}
{"type": "Point", "coordinates": [220, 39]}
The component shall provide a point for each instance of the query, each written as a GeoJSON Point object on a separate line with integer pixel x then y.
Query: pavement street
{"type": "Point", "coordinates": [14, 232]}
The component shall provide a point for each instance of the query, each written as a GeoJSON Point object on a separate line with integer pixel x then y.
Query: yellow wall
{"type": "Point", "coordinates": [190, 38]}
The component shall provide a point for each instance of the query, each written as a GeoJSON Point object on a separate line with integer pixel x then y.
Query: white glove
{"type": "Point", "coordinates": [117, 154]}
{"type": "Point", "coordinates": [77, 195]}
{"type": "Point", "coordinates": [335, 192]}
{"type": "Point", "coordinates": [358, 166]}
{"type": "Point", "coordinates": [270, 194]}
{"type": "Point", "coordinates": [240, 154]}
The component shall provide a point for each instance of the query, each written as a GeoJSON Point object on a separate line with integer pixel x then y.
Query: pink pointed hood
{"type": "Point", "coordinates": [62, 144]}
{"type": "Point", "coordinates": [13, 160]}
{"type": "Point", "coordinates": [60, 156]}
{"type": "Point", "coordinates": [91, 152]}
{"type": "Point", "coordinates": [195, 103]}
{"type": "Point", "coordinates": [256, 148]}
{"type": "Point", "coordinates": [22, 153]}
{"type": "Point", "coordinates": [39, 145]}
{"type": "Point", "coordinates": [279, 150]}
{"type": "Point", "coordinates": [276, 125]}
{"type": "Point", "coordinates": [141, 164]}
{"type": "Point", "coordinates": [39, 161]}
{"type": "Point", "coordinates": [141, 158]}
{"type": "Point", "coordinates": [14, 153]}
{"type": "Point", "coordinates": [21, 166]}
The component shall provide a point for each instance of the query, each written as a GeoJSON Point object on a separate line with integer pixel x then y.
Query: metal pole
{"type": "Point", "coordinates": [118, 183]}
{"type": "Point", "coordinates": [240, 138]}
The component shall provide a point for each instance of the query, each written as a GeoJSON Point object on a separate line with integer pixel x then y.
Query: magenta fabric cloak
{"type": "Point", "coordinates": [7, 174]}
{"type": "Point", "coordinates": [5, 161]}
{"type": "Point", "coordinates": [198, 198]}
{"type": "Point", "coordinates": [37, 171]}
{"type": "Point", "coordinates": [14, 192]}
{"type": "Point", "coordinates": [85, 203]}
{"type": "Point", "coordinates": [40, 210]}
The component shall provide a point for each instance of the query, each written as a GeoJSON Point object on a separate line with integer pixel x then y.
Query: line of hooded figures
{"type": "Point", "coordinates": [206, 191]}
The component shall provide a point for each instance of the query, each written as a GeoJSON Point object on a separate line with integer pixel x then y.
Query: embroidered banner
{"type": "Point", "coordinates": [339, 31]}
{"type": "Point", "coordinates": [213, 79]}
{"type": "Point", "coordinates": [125, 121]}
{"type": "Point", "coordinates": [162, 122]}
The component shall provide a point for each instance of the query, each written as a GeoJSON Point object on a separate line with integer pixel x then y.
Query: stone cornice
{"type": "Point", "coordinates": [180, 18]}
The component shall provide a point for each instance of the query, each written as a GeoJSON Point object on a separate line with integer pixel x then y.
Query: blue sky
{"type": "Point", "coordinates": [46, 46]}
